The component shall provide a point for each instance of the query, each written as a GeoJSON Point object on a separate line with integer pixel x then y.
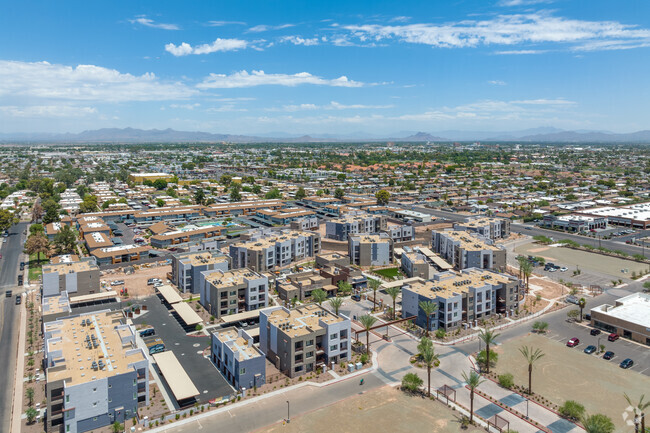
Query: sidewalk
{"type": "Point", "coordinates": [17, 408]}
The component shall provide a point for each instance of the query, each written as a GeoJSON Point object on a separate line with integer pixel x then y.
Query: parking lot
{"type": "Point", "coordinates": [188, 349]}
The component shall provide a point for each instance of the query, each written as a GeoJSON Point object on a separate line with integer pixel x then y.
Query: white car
{"type": "Point", "coordinates": [564, 269]}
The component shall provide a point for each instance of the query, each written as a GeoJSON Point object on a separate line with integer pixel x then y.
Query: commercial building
{"type": "Point", "coordinates": [187, 268]}
{"type": "Point", "coordinates": [119, 254]}
{"type": "Point", "coordinates": [370, 250]}
{"type": "Point", "coordinates": [352, 224]}
{"type": "Point", "coordinates": [231, 292]}
{"type": "Point", "coordinates": [184, 235]}
{"type": "Point", "coordinates": [636, 215]}
{"type": "Point", "coordinates": [141, 177]}
{"type": "Point", "coordinates": [241, 363]}
{"type": "Point", "coordinates": [96, 375]}
{"type": "Point", "coordinates": [574, 223]}
{"type": "Point", "coordinates": [299, 341]}
{"type": "Point", "coordinates": [75, 278]}
{"type": "Point", "coordinates": [267, 250]}
{"type": "Point", "coordinates": [464, 250]}
{"type": "Point", "coordinates": [629, 317]}
{"type": "Point", "coordinates": [490, 228]}
{"type": "Point", "coordinates": [462, 298]}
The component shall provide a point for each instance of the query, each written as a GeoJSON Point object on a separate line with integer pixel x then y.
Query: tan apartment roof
{"type": "Point", "coordinates": [458, 283]}
{"type": "Point", "coordinates": [302, 320]}
{"type": "Point", "coordinates": [468, 242]}
{"type": "Point", "coordinates": [97, 240]}
{"type": "Point", "coordinates": [65, 268]}
{"type": "Point", "coordinates": [93, 297]}
{"type": "Point", "coordinates": [159, 227]}
{"type": "Point", "coordinates": [231, 278]}
{"type": "Point", "coordinates": [183, 233]}
{"type": "Point", "coordinates": [239, 344]}
{"type": "Point", "coordinates": [204, 258]}
{"type": "Point", "coordinates": [118, 250]}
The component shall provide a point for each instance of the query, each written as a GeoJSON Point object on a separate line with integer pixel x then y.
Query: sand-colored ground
{"type": "Point", "coordinates": [569, 374]}
{"type": "Point", "coordinates": [136, 283]}
{"type": "Point", "coordinates": [384, 409]}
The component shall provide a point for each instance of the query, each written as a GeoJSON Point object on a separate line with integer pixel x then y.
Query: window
{"type": "Point", "coordinates": [67, 427]}
{"type": "Point", "coordinates": [242, 371]}
{"type": "Point", "coordinates": [333, 347]}
{"type": "Point", "coordinates": [135, 395]}
{"type": "Point", "coordinates": [334, 336]}
{"type": "Point", "coordinates": [310, 342]}
{"type": "Point", "coordinates": [309, 354]}
{"type": "Point", "coordinates": [67, 399]}
{"type": "Point", "coordinates": [134, 382]}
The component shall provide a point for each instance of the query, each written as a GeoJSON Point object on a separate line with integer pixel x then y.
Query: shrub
{"type": "Point", "coordinates": [411, 382]}
{"type": "Point", "coordinates": [364, 358]}
{"type": "Point", "coordinates": [178, 416]}
{"type": "Point", "coordinates": [572, 410]}
{"type": "Point", "coordinates": [506, 380]}
{"type": "Point", "coordinates": [440, 333]}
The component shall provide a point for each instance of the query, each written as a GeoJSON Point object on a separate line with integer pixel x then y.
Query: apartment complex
{"type": "Point", "coordinates": [241, 363]}
{"type": "Point", "coordinates": [370, 250]}
{"type": "Point", "coordinates": [300, 285]}
{"type": "Point", "coordinates": [187, 268]}
{"type": "Point", "coordinates": [96, 374]}
{"type": "Point", "coordinates": [234, 291]}
{"type": "Point", "coordinates": [629, 317]}
{"type": "Point", "coordinates": [241, 208]}
{"type": "Point", "coordinates": [300, 340]}
{"type": "Point", "coordinates": [490, 228]}
{"type": "Point", "coordinates": [184, 235]}
{"type": "Point", "coordinates": [119, 254]}
{"type": "Point", "coordinates": [461, 297]}
{"type": "Point", "coordinates": [76, 278]}
{"type": "Point", "coordinates": [268, 250]}
{"type": "Point", "coordinates": [352, 224]}
{"type": "Point", "coordinates": [464, 250]}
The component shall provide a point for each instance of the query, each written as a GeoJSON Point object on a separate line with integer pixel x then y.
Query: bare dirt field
{"type": "Point", "coordinates": [136, 283]}
{"type": "Point", "coordinates": [569, 374]}
{"type": "Point", "coordinates": [374, 411]}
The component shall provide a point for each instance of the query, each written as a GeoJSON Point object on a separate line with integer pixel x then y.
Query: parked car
{"type": "Point", "coordinates": [22, 265]}
{"type": "Point", "coordinates": [590, 349]}
{"type": "Point", "coordinates": [572, 299]}
{"type": "Point", "coordinates": [613, 336]}
{"type": "Point", "coordinates": [19, 299]}
{"type": "Point", "coordinates": [564, 269]}
{"type": "Point", "coordinates": [626, 363]}
{"type": "Point", "coordinates": [117, 282]}
{"type": "Point", "coordinates": [573, 342]}
{"type": "Point", "coordinates": [587, 316]}
{"type": "Point", "coordinates": [608, 355]}
{"type": "Point", "coordinates": [356, 297]}
{"type": "Point", "coordinates": [595, 332]}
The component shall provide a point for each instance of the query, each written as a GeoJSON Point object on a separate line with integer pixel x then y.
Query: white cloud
{"type": "Point", "coordinates": [265, 28]}
{"type": "Point", "coordinates": [260, 78]}
{"type": "Point", "coordinates": [20, 80]}
{"type": "Point", "coordinates": [331, 106]}
{"type": "Point", "coordinates": [532, 28]}
{"type": "Point", "coordinates": [143, 20]}
{"type": "Point", "coordinates": [34, 111]}
{"type": "Point", "coordinates": [497, 82]}
{"type": "Point", "coordinates": [522, 2]}
{"type": "Point", "coordinates": [297, 40]}
{"type": "Point", "coordinates": [225, 23]}
{"type": "Point", "coordinates": [185, 106]}
{"type": "Point", "coordinates": [219, 44]}
{"type": "Point", "coordinates": [400, 19]}
{"type": "Point", "coordinates": [520, 52]}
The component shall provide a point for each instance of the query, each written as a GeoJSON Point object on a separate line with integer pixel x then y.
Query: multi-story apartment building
{"type": "Point", "coordinates": [187, 268]}
{"type": "Point", "coordinates": [234, 291]}
{"type": "Point", "coordinates": [241, 208]}
{"type": "Point", "coordinates": [96, 375]}
{"type": "Point", "coordinates": [300, 340]}
{"type": "Point", "coordinates": [415, 264]}
{"type": "Point", "coordinates": [490, 228]}
{"type": "Point", "coordinates": [461, 297]}
{"type": "Point", "coordinates": [304, 223]}
{"type": "Point", "coordinates": [76, 278]}
{"type": "Point", "coordinates": [354, 223]}
{"type": "Point", "coordinates": [267, 250]}
{"type": "Point", "coordinates": [464, 250]}
{"type": "Point", "coordinates": [242, 364]}
{"type": "Point", "coordinates": [400, 233]}
{"type": "Point", "coordinates": [299, 285]}
{"type": "Point", "coordinates": [370, 250]}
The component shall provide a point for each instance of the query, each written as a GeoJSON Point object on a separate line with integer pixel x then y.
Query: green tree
{"type": "Point", "coordinates": [374, 286]}
{"type": "Point", "coordinates": [36, 228]}
{"type": "Point", "coordinates": [572, 410]}
{"type": "Point", "coordinates": [31, 414]}
{"type": "Point", "coordinates": [300, 194]}
{"type": "Point", "coordinates": [318, 296]}
{"type": "Point", "coordinates": [65, 240]}
{"type": "Point", "coordinates": [394, 292]}
{"type": "Point", "coordinates": [160, 184]}
{"type": "Point", "coordinates": [172, 192]}
{"type": "Point", "coordinates": [473, 381]}
{"type": "Point", "coordinates": [51, 211]}
{"type": "Point", "coordinates": [7, 219]}
{"type": "Point", "coordinates": [37, 212]}
{"type": "Point", "coordinates": [383, 197]}
{"type": "Point", "coordinates": [424, 343]}
{"type": "Point", "coordinates": [582, 302]}
{"type": "Point", "coordinates": [256, 189]}
{"type": "Point", "coordinates": [488, 337]}
{"type": "Point", "coordinates": [598, 423]}
{"type": "Point", "coordinates": [107, 203]}
{"type": "Point", "coordinates": [29, 393]}
{"type": "Point", "coordinates": [336, 303]}
{"type": "Point", "coordinates": [540, 327]}
{"type": "Point", "coordinates": [428, 308]}
{"type": "Point", "coordinates": [411, 382]}
{"type": "Point", "coordinates": [89, 204]}
{"type": "Point", "coordinates": [160, 202]}
{"type": "Point", "coordinates": [367, 321]}
{"type": "Point", "coordinates": [117, 427]}
{"type": "Point", "coordinates": [235, 195]}
{"type": "Point", "coordinates": [345, 288]}
{"type": "Point", "coordinates": [274, 194]}
{"type": "Point", "coordinates": [226, 180]}
{"type": "Point", "coordinates": [37, 244]}
{"type": "Point", "coordinates": [639, 412]}
{"type": "Point", "coordinates": [339, 193]}
{"type": "Point", "coordinates": [199, 196]}
{"type": "Point", "coordinates": [531, 356]}
{"type": "Point", "coordinates": [482, 358]}
{"type": "Point", "coordinates": [430, 360]}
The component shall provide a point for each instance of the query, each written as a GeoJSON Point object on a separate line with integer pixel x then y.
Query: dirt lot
{"type": "Point", "coordinates": [569, 374]}
{"type": "Point", "coordinates": [136, 283]}
{"type": "Point", "coordinates": [374, 411]}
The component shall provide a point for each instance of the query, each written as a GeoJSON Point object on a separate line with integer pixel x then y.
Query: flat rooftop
{"type": "Point", "coordinates": [633, 308]}
{"type": "Point", "coordinates": [242, 347]}
{"type": "Point", "coordinates": [302, 320]}
{"type": "Point", "coordinates": [233, 277]}
{"type": "Point", "coordinates": [449, 284]}
{"type": "Point", "coordinates": [203, 258]}
{"type": "Point", "coordinates": [468, 242]}
{"type": "Point", "coordinates": [68, 267]}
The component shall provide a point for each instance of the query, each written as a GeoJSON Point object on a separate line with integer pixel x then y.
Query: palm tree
{"type": "Point", "coordinates": [581, 303]}
{"type": "Point", "coordinates": [393, 292]}
{"type": "Point", "coordinates": [367, 321]}
{"type": "Point", "coordinates": [428, 308]}
{"type": "Point", "coordinates": [30, 395]}
{"type": "Point", "coordinates": [374, 286]}
{"type": "Point", "coordinates": [488, 337]}
{"type": "Point", "coordinates": [319, 295]}
{"type": "Point", "coordinates": [598, 423]}
{"type": "Point", "coordinates": [638, 412]}
{"type": "Point", "coordinates": [531, 356]}
{"type": "Point", "coordinates": [473, 381]}
{"type": "Point", "coordinates": [336, 303]}
{"type": "Point", "coordinates": [527, 269]}
{"type": "Point", "coordinates": [431, 360]}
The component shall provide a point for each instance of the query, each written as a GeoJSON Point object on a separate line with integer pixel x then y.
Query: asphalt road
{"type": "Point", "coordinates": [11, 254]}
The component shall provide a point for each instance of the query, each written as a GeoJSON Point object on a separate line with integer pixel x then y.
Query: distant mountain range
{"type": "Point", "coordinates": [132, 135]}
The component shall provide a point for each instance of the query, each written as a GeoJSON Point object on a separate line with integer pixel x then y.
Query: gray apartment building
{"type": "Point", "coordinates": [463, 297]}
{"type": "Point", "coordinates": [299, 341]}
{"type": "Point", "coordinates": [235, 291]}
{"type": "Point", "coordinates": [187, 268]}
{"type": "Point", "coordinates": [464, 250]}
{"type": "Point", "coordinates": [490, 228]}
{"type": "Point", "coordinates": [269, 250]}
{"type": "Point", "coordinates": [76, 277]}
{"type": "Point", "coordinates": [370, 250]}
{"type": "Point", "coordinates": [239, 361]}
{"type": "Point", "coordinates": [354, 223]}
{"type": "Point", "coordinates": [96, 374]}
{"type": "Point", "coordinates": [400, 233]}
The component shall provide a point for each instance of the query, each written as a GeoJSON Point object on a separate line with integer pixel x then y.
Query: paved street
{"type": "Point", "coordinates": [11, 255]}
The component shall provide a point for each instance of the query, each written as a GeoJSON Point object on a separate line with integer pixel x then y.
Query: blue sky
{"type": "Point", "coordinates": [381, 67]}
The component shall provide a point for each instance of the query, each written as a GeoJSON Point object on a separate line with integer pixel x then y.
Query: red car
{"type": "Point", "coordinates": [573, 342]}
{"type": "Point", "coordinates": [613, 336]}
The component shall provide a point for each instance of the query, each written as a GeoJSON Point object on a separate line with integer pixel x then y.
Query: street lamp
{"type": "Point", "coordinates": [527, 407]}
{"type": "Point", "coordinates": [288, 417]}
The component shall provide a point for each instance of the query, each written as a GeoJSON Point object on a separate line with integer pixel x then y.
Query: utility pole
{"type": "Point", "coordinates": [288, 417]}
